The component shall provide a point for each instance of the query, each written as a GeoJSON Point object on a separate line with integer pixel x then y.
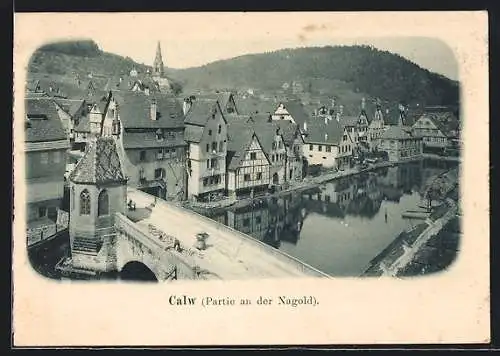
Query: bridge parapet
{"type": "Point", "coordinates": [247, 243]}
{"type": "Point", "coordinates": [134, 244]}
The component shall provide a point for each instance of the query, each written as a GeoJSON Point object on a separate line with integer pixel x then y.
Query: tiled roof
{"type": "Point", "coordinates": [101, 99]}
{"type": "Point", "coordinates": [252, 105]}
{"type": "Point", "coordinates": [135, 111]}
{"type": "Point", "coordinates": [148, 140]}
{"type": "Point", "coordinates": [99, 165]}
{"type": "Point", "coordinates": [348, 120]}
{"type": "Point", "coordinates": [33, 85]}
{"type": "Point", "coordinates": [297, 111]}
{"type": "Point", "coordinates": [201, 110]}
{"type": "Point", "coordinates": [33, 95]}
{"type": "Point", "coordinates": [83, 124]}
{"type": "Point", "coordinates": [395, 132]}
{"type": "Point", "coordinates": [71, 106]}
{"type": "Point", "coordinates": [265, 133]}
{"type": "Point", "coordinates": [239, 139]}
{"type": "Point", "coordinates": [114, 83]}
{"type": "Point", "coordinates": [287, 130]}
{"type": "Point", "coordinates": [445, 121]}
{"type": "Point", "coordinates": [193, 133]}
{"type": "Point", "coordinates": [319, 132]}
{"type": "Point", "coordinates": [264, 117]}
{"type": "Point", "coordinates": [222, 97]}
{"type": "Point", "coordinates": [43, 123]}
{"type": "Point", "coordinates": [238, 118]}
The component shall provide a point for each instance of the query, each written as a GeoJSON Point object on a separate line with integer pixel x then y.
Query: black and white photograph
{"type": "Point", "coordinates": [172, 158]}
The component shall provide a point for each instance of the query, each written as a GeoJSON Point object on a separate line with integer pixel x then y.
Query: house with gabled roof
{"type": "Point", "coordinates": [273, 144]}
{"type": "Point", "coordinates": [248, 165]}
{"type": "Point", "coordinates": [70, 112]}
{"type": "Point", "coordinates": [206, 136]}
{"type": "Point", "coordinates": [294, 142]}
{"type": "Point", "coordinates": [46, 146]}
{"type": "Point", "coordinates": [400, 142]}
{"type": "Point", "coordinates": [437, 129]}
{"type": "Point", "coordinates": [293, 111]}
{"type": "Point", "coordinates": [226, 101]}
{"type": "Point", "coordinates": [149, 131]}
{"type": "Point", "coordinates": [376, 128]}
{"type": "Point", "coordinates": [327, 142]}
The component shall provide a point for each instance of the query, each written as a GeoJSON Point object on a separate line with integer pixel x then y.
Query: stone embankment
{"type": "Point", "coordinates": [405, 250]}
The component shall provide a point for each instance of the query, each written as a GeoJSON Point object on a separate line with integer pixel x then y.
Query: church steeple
{"type": "Point", "coordinates": [158, 63]}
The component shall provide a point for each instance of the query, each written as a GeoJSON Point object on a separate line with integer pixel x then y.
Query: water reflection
{"type": "Point", "coordinates": [341, 225]}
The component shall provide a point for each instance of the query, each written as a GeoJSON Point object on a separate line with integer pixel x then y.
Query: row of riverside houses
{"type": "Point", "coordinates": [206, 148]}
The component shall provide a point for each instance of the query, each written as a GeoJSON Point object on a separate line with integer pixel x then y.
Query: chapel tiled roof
{"type": "Point", "coordinates": [43, 122]}
{"type": "Point", "coordinates": [100, 164]}
{"type": "Point", "coordinates": [135, 111]}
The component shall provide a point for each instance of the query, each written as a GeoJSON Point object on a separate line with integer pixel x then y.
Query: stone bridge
{"type": "Point", "coordinates": [160, 247]}
{"type": "Point", "coordinates": [230, 255]}
{"type": "Point", "coordinates": [135, 247]}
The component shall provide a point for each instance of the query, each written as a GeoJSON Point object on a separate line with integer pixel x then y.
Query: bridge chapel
{"type": "Point", "coordinates": [98, 190]}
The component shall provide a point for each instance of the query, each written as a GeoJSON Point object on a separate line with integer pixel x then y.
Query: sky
{"type": "Point", "coordinates": [194, 39]}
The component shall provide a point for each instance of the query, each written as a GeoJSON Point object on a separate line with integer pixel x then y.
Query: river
{"type": "Point", "coordinates": [340, 226]}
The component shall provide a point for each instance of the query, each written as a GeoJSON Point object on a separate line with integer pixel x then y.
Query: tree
{"type": "Point", "coordinates": [435, 191]}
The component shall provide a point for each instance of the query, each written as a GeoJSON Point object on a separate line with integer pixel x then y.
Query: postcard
{"type": "Point", "coordinates": [211, 179]}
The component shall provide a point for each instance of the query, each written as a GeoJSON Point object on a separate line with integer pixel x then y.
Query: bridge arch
{"type": "Point", "coordinates": [137, 271]}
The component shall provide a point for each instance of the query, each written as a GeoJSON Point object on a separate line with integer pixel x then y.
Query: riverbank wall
{"type": "Point", "coordinates": [306, 184]}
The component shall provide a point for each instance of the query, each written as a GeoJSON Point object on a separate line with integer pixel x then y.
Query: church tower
{"type": "Point", "coordinates": [98, 190]}
{"type": "Point", "coordinates": [158, 63]}
{"type": "Point", "coordinates": [159, 72]}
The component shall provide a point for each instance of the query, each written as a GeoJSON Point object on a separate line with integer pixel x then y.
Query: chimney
{"type": "Point", "coordinates": [305, 126]}
{"type": "Point", "coordinates": [326, 120]}
{"type": "Point", "coordinates": [153, 110]}
{"type": "Point", "coordinates": [186, 106]}
{"type": "Point", "coordinates": [363, 104]}
{"type": "Point", "coordinates": [326, 137]}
